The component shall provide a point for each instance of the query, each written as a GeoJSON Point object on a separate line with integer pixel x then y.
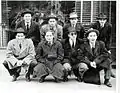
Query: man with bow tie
{"type": "Point", "coordinates": [20, 54]}
{"type": "Point", "coordinates": [31, 28]}
{"type": "Point", "coordinates": [96, 55]}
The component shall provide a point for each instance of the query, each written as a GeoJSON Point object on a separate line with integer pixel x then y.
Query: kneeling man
{"type": "Point", "coordinates": [20, 53]}
{"type": "Point", "coordinates": [72, 61]}
{"type": "Point", "coordinates": [49, 56]}
{"type": "Point", "coordinates": [96, 55]}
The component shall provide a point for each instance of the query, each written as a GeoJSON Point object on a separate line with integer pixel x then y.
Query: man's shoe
{"type": "Point", "coordinates": [113, 75]}
{"type": "Point", "coordinates": [57, 80]}
{"type": "Point", "coordinates": [28, 78]}
{"type": "Point", "coordinates": [107, 83]}
{"type": "Point", "coordinates": [79, 79]}
{"type": "Point", "coordinates": [65, 79]}
{"type": "Point", "coordinates": [41, 80]}
{"type": "Point", "coordinates": [14, 78]}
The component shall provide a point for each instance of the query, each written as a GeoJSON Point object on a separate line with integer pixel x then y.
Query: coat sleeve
{"type": "Point", "coordinates": [31, 55]}
{"type": "Point", "coordinates": [60, 54]}
{"type": "Point", "coordinates": [103, 54]}
{"type": "Point", "coordinates": [9, 54]}
{"type": "Point", "coordinates": [108, 38]}
{"type": "Point", "coordinates": [39, 54]}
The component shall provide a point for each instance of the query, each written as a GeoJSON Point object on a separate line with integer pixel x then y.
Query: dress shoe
{"type": "Point", "coordinates": [42, 79]}
{"type": "Point", "coordinates": [14, 78]}
{"type": "Point", "coordinates": [113, 75]}
{"type": "Point", "coordinates": [57, 80]}
{"type": "Point", "coordinates": [107, 83]}
{"type": "Point", "coordinates": [28, 78]}
{"type": "Point", "coordinates": [65, 79]}
{"type": "Point", "coordinates": [79, 79]}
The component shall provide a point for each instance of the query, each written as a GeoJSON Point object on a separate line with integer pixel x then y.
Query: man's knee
{"type": "Point", "coordinates": [83, 67]}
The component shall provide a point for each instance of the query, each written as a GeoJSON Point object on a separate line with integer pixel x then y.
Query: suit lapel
{"type": "Point", "coordinates": [24, 46]}
{"type": "Point", "coordinates": [96, 47]}
{"type": "Point", "coordinates": [88, 48]}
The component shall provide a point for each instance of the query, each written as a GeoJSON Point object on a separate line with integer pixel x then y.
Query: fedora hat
{"type": "Point", "coordinates": [92, 30]}
{"type": "Point", "coordinates": [102, 16]}
{"type": "Point", "coordinates": [19, 30]}
{"type": "Point", "coordinates": [27, 12]}
{"type": "Point", "coordinates": [73, 15]}
{"type": "Point", "coordinates": [52, 16]}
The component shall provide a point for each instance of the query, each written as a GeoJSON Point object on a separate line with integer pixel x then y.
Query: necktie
{"type": "Point", "coordinates": [73, 45]}
{"type": "Point", "coordinates": [27, 26]}
{"type": "Point", "coordinates": [20, 45]}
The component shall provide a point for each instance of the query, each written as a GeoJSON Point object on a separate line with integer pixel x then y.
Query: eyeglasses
{"type": "Point", "coordinates": [73, 34]}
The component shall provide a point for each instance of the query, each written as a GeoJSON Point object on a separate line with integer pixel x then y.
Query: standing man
{"type": "Point", "coordinates": [49, 56]}
{"type": "Point", "coordinates": [105, 30]}
{"type": "Point", "coordinates": [73, 18]}
{"type": "Point", "coordinates": [71, 60]}
{"type": "Point", "coordinates": [31, 28]}
{"type": "Point", "coordinates": [20, 53]}
{"type": "Point", "coordinates": [96, 55]}
{"type": "Point", "coordinates": [52, 25]}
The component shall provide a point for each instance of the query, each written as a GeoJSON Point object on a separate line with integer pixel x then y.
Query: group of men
{"type": "Point", "coordinates": [56, 50]}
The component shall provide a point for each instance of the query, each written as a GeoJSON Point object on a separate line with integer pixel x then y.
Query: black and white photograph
{"type": "Point", "coordinates": [58, 46]}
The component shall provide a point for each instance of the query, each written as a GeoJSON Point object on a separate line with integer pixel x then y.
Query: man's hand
{"type": "Point", "coordinates": [67, 66]}
{"type": "Point", "coordinates": [109, 52]}
{"type": "Point", "coordinates": [19, 63]}
{"type": "Point", "coordinates": [93, 64]}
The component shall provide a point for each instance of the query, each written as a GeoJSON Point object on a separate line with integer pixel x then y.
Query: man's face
{"type": "Point", "coordinates": [73, 20]}
{"type": "Point", "coordinates": [72, 35]}
{"type": "Point", "coordinates": [27, 17]}
{"type": "Point", "coordinates": [92, 36]}
{"type": "Point", "coordinates": [49, 36]}
{"type": "Point", "coordinates": [52, 22]}
{"type": "Point", "coordinates": [102, 21]}
{"type": "Point", "coordinates": [20, 36]}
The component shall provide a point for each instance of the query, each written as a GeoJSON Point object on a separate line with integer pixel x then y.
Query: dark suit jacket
{"type": "Point", "coordinates": [105, 33]}
{"type": "Point", "coordinates": [99, 55]}
{"type": "Point", "coordinates": [33, 33]}
{"type": "Point", "coordinates": [79, 28]}
{"type": "Point", "coordinates": [71, 54]}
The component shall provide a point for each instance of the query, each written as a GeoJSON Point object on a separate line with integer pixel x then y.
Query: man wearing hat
{"type": "Point", "coordinates": [73, 18]}
{"type": "Point", "coordinates": [72, 62]}
{"type": "Point", "coordinates": [105, 29]}
{"type": "Point", "coordinates": [31, 28]}
{"type": "Point", "coordinates": [52, 25]}
{"type": "Point", "coordinates": [96, 55]}
{"type": "Point", "coordinates": [20, 54]}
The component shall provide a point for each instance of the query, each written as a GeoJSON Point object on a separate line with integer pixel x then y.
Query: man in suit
{"type": "Point", "coordinates": [20, 53]}
{"type": "Point", "coordinates": [96, 55]}
{"type": "Point", "coordinates": [49, 56]}
{"type": "Point", "coordinates": [105, 29]}
{"type": "Point", "coordinates": [31, 28]}
{"type": "Point", "coordinates": [73, 18]}
{"type": "Point", "coordinates": [52, 25]}
{"type": "Point", "coordinates": [72, 62]}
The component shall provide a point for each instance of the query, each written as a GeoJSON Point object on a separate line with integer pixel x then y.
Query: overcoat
{"type": "Point", "coordinates": [58, 30]}
{"type": "Point", "coordinates": [33, 33]}
{"type": "Point", "coordinates": [49, 55]}
{"type": "Point", "coordinates": [105, 33]}
{"type": "Point", "coordinates": [14, 53]}
{"type": "Point", "coordinates": [99, 55]}
{"type": "Point", "coordinates": [79, 28]}
{"type": "Point", "coordinates": [71, 54]}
